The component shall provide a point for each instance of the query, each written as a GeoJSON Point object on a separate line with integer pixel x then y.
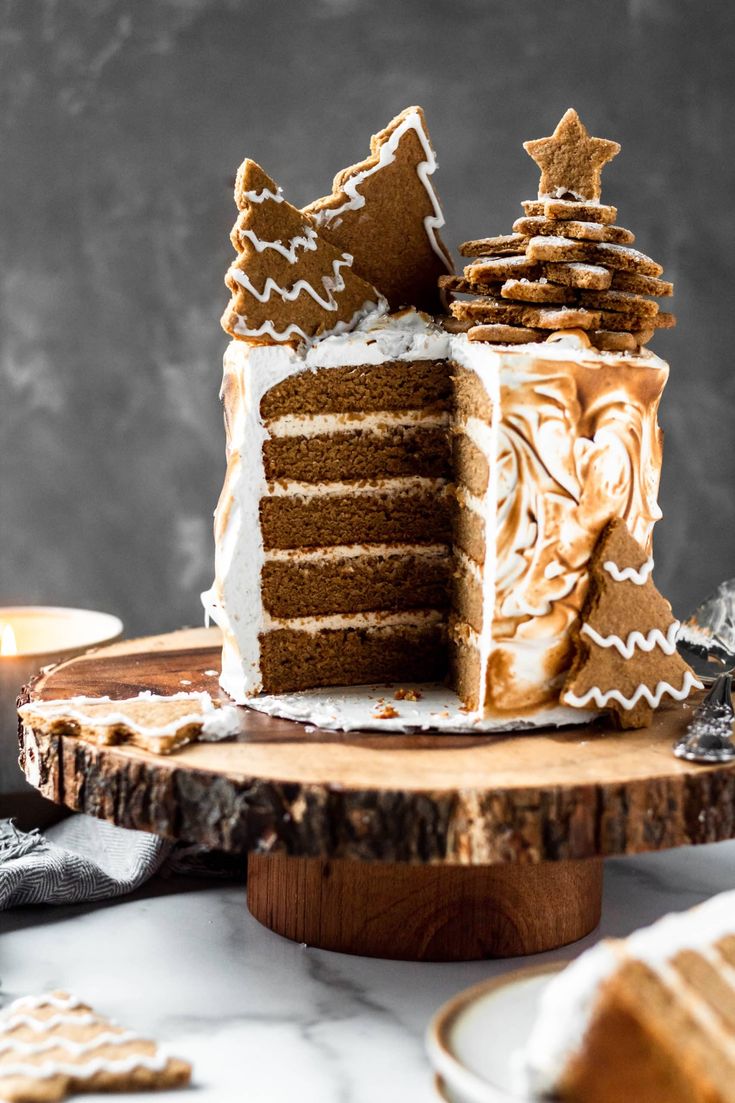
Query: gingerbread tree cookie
{"type": "Point", "coordinates": [288, 283]}
{"type": "Point", "coordinates": [566, 265]}
{"type": "Point", "coordinates": [626, 658]}
{"type": "Point", "coordinates": [385, 212]}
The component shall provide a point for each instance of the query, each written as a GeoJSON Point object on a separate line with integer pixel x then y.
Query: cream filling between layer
{"type": "Point", "coordinates": [312, 425]}
{"type": "Point", "coordinates": [357, 551]}
{"type": "Point", "coordinates": [337, 621]}
{"type": "Point", "coordinates": [403, 485]}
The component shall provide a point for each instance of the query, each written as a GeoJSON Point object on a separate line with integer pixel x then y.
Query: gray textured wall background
{"type": "Point", "coordinates": [121, 127]}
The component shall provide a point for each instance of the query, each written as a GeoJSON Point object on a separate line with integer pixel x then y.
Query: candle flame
{"type": "Point", "coordinates": [8, 646]}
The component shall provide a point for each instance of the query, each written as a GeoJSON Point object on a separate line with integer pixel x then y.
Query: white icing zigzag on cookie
{"type": "Point", "coordinates": [601, 700]}
{"type": "Point", "coordinates": [86, 1071]}
{"type": "Point", "coordinates": [76, 1049]}
{"type": "Point", "coordinates": [332, 284]}
{"type": "Point", "coordinates": [40, 1026]}
{"type": "Point", "coordinates": [60, 1001]}
{"type": "Point", "coordinates": [261, 196]}
{"type": "Point", "coordinates": [655, 638]}
{"type": "Point", "coordinates": [387, 155]}
{"type": "Point", "coordinates": [292, 330]}
{"type": "Point", "coordinates": [629, 574]}
{"type": "Point", "coordinates": [290, 252]}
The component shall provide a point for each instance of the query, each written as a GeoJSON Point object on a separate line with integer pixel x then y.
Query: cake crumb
{"type": "Point", "coordinates": [387, 712]}
{"type": "Point", "coordinates": [407, 695]}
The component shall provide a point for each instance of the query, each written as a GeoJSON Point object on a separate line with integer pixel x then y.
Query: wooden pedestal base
{"type": "Point", "coordinates": [425, 913]}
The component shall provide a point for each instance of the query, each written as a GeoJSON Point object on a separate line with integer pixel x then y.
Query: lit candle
{"type": "Point", "coordinates": [32, 637]}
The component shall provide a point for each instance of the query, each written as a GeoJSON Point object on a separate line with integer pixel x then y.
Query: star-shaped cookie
{"type": "Point", "coordinates": [571, 161]}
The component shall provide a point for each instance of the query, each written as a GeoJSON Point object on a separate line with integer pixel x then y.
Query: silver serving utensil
{"type": "Point", "coordinates": [706, 639]}
{"type": "Point", "coordinates": [709, 736]}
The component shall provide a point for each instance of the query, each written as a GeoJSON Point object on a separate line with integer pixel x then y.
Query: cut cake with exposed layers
{"type": "Point", "coordinates": [370, 471]}
{"type": "Point", "coordinates": [650, 1018]}
{"type": "Point", "coordinates": [333, 527]}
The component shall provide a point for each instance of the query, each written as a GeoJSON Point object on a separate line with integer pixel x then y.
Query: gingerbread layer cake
{"type": "Point", "coordinates": [406, 499]}
{"type": "Point", "coordinates": [650, 1018]}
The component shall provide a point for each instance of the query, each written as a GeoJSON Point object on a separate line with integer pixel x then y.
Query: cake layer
{"type": "Point", "coordinates": [467, 598]}
{"type": "Point", "coordinates": [394, 385]}
{"type": "Point", "coordinates": [469, 397]}
{"type": "Point", "coordinates": [359, 454]}
{"type": "Point", "coordinates": [293, 660]}
{"type": "Point", "coordinates": [360, 515]}
{"type": "Point", "coordinates": [387, 577]}
{"type": "Point", "coordinates": [468, 531]}
{"type": "Point", "coordinates": [470, 464]}
{"type": "Point", "coordinates": [464, 668]}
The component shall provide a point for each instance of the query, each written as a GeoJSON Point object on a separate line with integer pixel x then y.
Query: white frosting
{"type": "Point", "coordinates": [234, 601]}
{"type": "Point", "coordinates": [567, 1004]}
{"type": "Point", "coordinates": [563, 1015]}
{"type": "Point", "coordinates": [468, 564]}
{"type": "Point", "coordinates": [636, 639]}
{"type": "Point", "coordinates": [387, 155]}
{"type": "Point", "coordinates": [312, 425]}
{"type": "Point", "coordinates": [601, 698]}
{"type": "Point", "coordinates": [630, 574]}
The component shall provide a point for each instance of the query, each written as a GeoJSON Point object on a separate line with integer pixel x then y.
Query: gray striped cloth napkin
{"type": "Point", "coordinates": [78, 860]}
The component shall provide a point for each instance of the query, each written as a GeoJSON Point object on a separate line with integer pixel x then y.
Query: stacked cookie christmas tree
{"type": "Point", "coordinates": [567, 265]}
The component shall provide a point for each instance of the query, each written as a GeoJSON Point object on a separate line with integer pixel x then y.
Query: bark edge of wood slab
{"type": "Point", "coordinates": [425, 913]}
{"type": "Point", "coordinates": [455, 800]}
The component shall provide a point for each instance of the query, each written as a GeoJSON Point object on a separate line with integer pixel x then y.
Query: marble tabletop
{"type": "Point", "coordinates": [269, 1021]}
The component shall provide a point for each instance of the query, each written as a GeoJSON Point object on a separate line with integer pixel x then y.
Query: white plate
{"type": "Point", "coordinates": [471, 1039]}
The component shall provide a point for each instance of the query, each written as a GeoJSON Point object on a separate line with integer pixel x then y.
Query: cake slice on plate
{"type": "Point", "coordinates": [647, 1019]}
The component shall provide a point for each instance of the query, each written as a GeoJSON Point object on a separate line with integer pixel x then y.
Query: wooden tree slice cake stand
{"type": "Point", "coordinates": [414, 846]}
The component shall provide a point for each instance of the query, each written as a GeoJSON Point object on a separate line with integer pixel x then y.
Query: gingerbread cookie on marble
{"type": "Point", "coordinates": [625, 645]}
{"type": "Point", "coordinates": [385, 212]}
{"type": "Point", "coordinates": [155, 723]}
{"type": "Point", "coordinates": [288, 283]}
{"type": "Point", "coordinates": [52, 1045]}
